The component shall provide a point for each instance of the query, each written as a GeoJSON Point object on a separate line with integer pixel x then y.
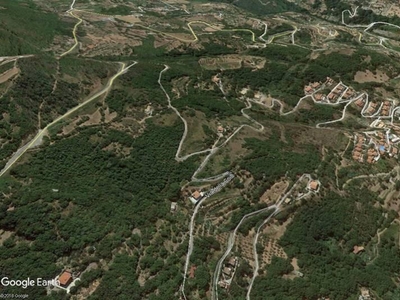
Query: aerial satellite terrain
{"type": "Point", "coordinates": [200, 149]}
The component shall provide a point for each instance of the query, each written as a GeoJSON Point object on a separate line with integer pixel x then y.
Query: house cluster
{"type": "Point", "coordinates": [380, 144]}
{"type": "Point", "coordinates": [372, 108]}
{"type": "Point", "coordinates": [360, 102]}
{"type": "Point", "coordinates": [357, 151]}
{"type": "Point", "coordinates": [336, 93]}
{"type": "Point", "coordinates": [312, 87]}
{"type": "Point", "coordinates": [228, 272]}
{"type": "Point", "coordinates": [372, 155]}
{"type": "Point", "coordinates": [384, 143]}
{"type": "Point", "coordinates": [379, 109]}
{"type": "Point", "coordinates": [361, 153]}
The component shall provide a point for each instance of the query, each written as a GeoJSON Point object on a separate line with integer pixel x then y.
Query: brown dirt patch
{"type": "Point", "coordinates": [7, 75]}
{"type": "Point", "coordinates": [71, 126]}
{"type": "Point", "coordinates": [94, 118]}
{"type": "Point", "coordinates": [317, 136]}
{"type": "Point", "coordinates": [118, 149]}
{"type": "Point", "coordinates": [108, 117]}
{"type": "Point", "coordinates": [129, 19]}
{"type": "Point", "coordinates": [295, 264]}
{"type": "Point", "coordinates": [345, 51]}
{"type": "Point", "coordinates": [4, 235]}
{"type": "Point", "coordinates": [275, 230]}
{"type": "Point", "coordinates": [368, 76]}
{"type": "Point", "coordinates": [229, 62]}
{"type": "Point", "coordinates": [272, 195]}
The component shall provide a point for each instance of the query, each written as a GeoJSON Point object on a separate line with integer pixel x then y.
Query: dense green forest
{"type": "Point", "coordinates": [26, 29]}
{"type": "Point", "coordinates": [75, 201]}
{"type": "Point", "coordinates": [270, 159]}
{"type": "Point", "coordinates": [101, 199]}
{"type": "Point", "coordinates": [321, 237]}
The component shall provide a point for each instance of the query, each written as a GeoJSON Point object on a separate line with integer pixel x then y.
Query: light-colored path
{"type": "Point", "coordinates": [366, 28]}
{"type": "Point", "coordinates": [76, 42]}
{"type": "Point", "coordinates": [211, 151]}
{"type": "Point", "coordinates": [36, 140]}
{"type": "Point", "coordinates": [189, 25]}
{"type": "Point", "coordinates": [280, 201]}
{"type": "Point", "coordinates": [231, 243]}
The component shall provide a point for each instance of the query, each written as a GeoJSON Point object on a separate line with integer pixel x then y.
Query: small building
{"type": "Point", "coordinates": [65, 279]}
{"type": "Point", "coordinates": [227, 271]}
{"type": "Point", "coordinates": [220, 129]}
{"type": "Point", "coordinates": [315, 85]}
{"type": "Point", "coordinates": [365, 295]}
{"type": "Point", "coordinates": [232, 261]}
{"type": "Point", "coordinates": [191, 271]}
{"type": "Point", "coordinates": [314, 185]}
{"type": "Point", "coordinates": [360, 103]}
{"type": "Point", "coordinates": [174, 206]}
{"type": "Point", "coordinates": [215, 79]}
{"type": "Point", "coordinates": [358, 249]}
{"type": "Point", "coordinates": [318, 97]}
{"type": "Point", "coordinates": [196, 196]}
{"type": "Point", "coordinates": [308, 89]}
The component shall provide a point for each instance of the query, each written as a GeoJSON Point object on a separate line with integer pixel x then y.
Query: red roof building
{"type": "Point", "coordinates": [65, 279]}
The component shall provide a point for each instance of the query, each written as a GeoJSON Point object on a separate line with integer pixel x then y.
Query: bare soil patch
{"type": "Point", "coordinates": [275, 230]}
{"type": "Point", "coordinates": [108, 117]}
{"type": "Point", "coordinates": [7, 75]}
{"type": "Point", "coordinates": [94, 118]}
{"type": "Point", "coordinates": [368, 76]}
{"type": "Point", "coordinates": [4, 235]}
{"type": "Point", "coordinates": [129, 19]}
{"type": "Point", "coordinates": [71, 126]}
{"type": "Point", "coordinates": [272, 195]}
{"type": "Point", "coordinates": [229, 62]}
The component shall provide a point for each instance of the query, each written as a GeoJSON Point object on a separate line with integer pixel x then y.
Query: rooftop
{"type": "Point", "coordinates": [314, 185]}
{"type": "Point", "coordinates": [65, 278]}
{"type": "Point", "coordinates": [357, 249]}
{"type": "Point", "coordinates": [196, 195]}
